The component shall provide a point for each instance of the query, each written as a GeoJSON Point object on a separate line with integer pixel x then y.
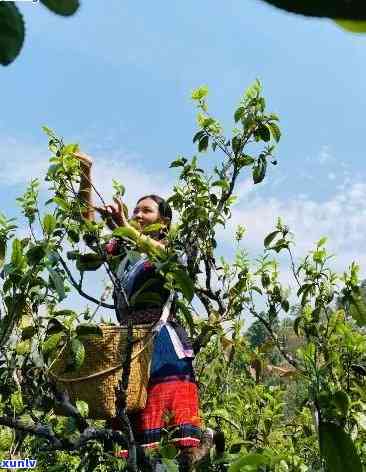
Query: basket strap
{"type": "Point", "coordinates": [102, 372]}
{"type": "Point", "coordinates": [164, 315]}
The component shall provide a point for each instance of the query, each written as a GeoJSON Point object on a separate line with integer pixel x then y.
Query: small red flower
{"type": "Point", "coordinates": [112, 247]}
{"type": "Point", "coordinates": [148, 265]}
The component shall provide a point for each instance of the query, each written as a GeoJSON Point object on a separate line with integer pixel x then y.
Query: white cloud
{"type": "Point", "coordinates": [325, 156]}
{"type": "Point", "coordinates": [341, 218]}
{"type": "Point", "coordinates": [131, 173]}
{"type": "Point", "coordinates": [21, 161]}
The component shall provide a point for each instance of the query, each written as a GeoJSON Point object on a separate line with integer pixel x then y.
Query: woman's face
{"type": "Point", "coordinates": [146, 212]}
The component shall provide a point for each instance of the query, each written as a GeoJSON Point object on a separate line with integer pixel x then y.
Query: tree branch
{"type": "Point", "coordinates": [63, 400]}
{"type": "Point", "coordinates": [291, 360]}
{"type": "Point", "coordinates": [46, 432]}
{"type": "Point", "coordinates": [34, 429]}
{"type": "Point", "coordinates": [80, 290]}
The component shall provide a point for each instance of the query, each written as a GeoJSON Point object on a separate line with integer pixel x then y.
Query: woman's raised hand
{"type": "Point", "coordinates": [84, 159]}
{"type": "Point", "coordinates": [114, 214]}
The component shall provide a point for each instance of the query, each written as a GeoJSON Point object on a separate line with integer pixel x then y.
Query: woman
{"type": "Point", "coordinates": [172, 399]}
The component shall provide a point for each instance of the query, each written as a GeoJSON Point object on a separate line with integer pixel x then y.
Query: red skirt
{"type": "Point", "coordinates": [171, 406]}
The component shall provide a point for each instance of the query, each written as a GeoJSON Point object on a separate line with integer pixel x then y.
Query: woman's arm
{"type": "Point", "coordinates": [85, 188]}
{"type": "Point", "coordinates": [115, 213]}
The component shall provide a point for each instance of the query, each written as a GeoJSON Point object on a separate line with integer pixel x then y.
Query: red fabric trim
{"type": "Point", "coordinates": [191, 442]}
{"type": "Point", "coordinates": [122, 454]}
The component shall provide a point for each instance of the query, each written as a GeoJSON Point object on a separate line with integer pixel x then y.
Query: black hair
{"type": "Point", "coordinates": [165, 211]}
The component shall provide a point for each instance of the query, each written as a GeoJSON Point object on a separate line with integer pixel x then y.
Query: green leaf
{"type": "Point", "coordinates": [57, 467]}
{"type": "Point", "coordinates": [196, 137]}
{"type": "Point", "coordinates": [55, 326]}
{"type": "Point", "coordinates": [11, 32]}
{"type": "Point", "coordinates": [253, 90]}
{"type": "Point", "coordinates": [169, 465]}
{"type": "Point", "coordinates": [239, 114]}
{"type": "Point", "coordinates": [264, 132]}
{"type": "Point", "coordinates": [203, 144]}
{"type": "Point", "coordinates": [50, 133]}
{"type": "Point", "coordinates": [69, 148]}
{"type": "Point", "coordinates": [74, 236]}
{"type": "Point", "coordinates": [321, 242]}
{"type": "Point", "coordinates": [23, 347]}
{"type": "Point", "coordinates": [256, 289]}
{"type": "Point", "coordinates": [352, 26]}
{"type": "Point", "coordinates": [223, 183]}
{"type": "Point", "coordinates": [361, 419]}
{"type": "Point", "coordinates": [16, 306]}
{"type": "Point", "coordinates": [118, 188]}
{"type": "Point", "coordinates": [337, 449]}
{"type": "Point", "coordinates": [16, 401]}
{"type": "Point", "coordinates": [275, 131]}
{"type": "Point", "coordinates": [62, 7]}
{"type": "Point", "coordinates": [152, 228]}
{"type": "Point", "coordinates": [259, 170]}
{"type": "Point", "coordinates": [345, 9]}
{"type": "Point", "coordinates": [296, 325]}
{"type": "Point", "coordinates": [177, 163]}
{"type": "Point", "coordinates": [89, 330]}
{"type": "Point", "coordinates": [252, 459]}
{"type": "Point", "coordinates": [52, 342]}
{"type": "Point", "coordinates": [58, 283]}
{"type": "Point", "coordinates": [65, 312]}
{"type": "Point", "coordinates": [61, 203]}
{"type": "Point", "coordinates": [315, 314]}
{"type": "Point", "coordinates": [49, 223]}
{"type": "Point", "coordinates": [83, 408]}
{"type": "Point", "coordinates": [245, 160]}
{"type": "Point", "coordinates": [341, 401]}
{"type": "Point", "coordinates": [358, 310]}
{"type": "Point", "coordinates": [200, 93]}
{"type": "Point", "coordinates": [17, 253]}
{"type": "Point", "coordinates": [270, 237]}
{"type": "Point", "coordinates": [89, 262]}
{"type": "Point", "coordinates": [168, 451]}
{"type": "Point", "coordinates": [184, 282]}
{"type": "Point", "coordinates": [71, 425]}
{"type": "Point", "coordinates": [76, 354]}
{"type": "Point", "coordinates": [2, 251]}
{"type": "Point", "coordinates": [308, 288]}
{"type": "Point", "coordinates": [28, 332]}
{"type": "Point", "coordinates": [72, 255]}
{"type": "Point", "coordinates": [213, 198]}
{"type": "Point", "coordinates": [236, 144]}
{"type": "Point", "coordinates": [285, 305]}
{"type": "Point", "coordinates": [122, 232]}
{"type": "Point", "coordinates": [187, 315]}
{"type": "Point", "coordinates": [236, 447]}
{"type": "Point", "coordinates": [6, 439]}
{"type": "Point", "coordinates": [35, 254]}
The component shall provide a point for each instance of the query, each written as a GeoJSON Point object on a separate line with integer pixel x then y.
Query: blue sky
{"type": "Point", "coordinates": [117, 77]}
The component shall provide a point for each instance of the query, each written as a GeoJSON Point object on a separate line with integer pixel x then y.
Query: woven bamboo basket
{"type": "Point", "coordinates": [95, 382]}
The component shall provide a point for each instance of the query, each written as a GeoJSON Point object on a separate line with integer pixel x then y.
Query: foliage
{"type": "Point", "coordinates": [289, 395]}
{"type": "Point", "coordinates": [350, 14]}
{"type": "Point", "coordinates": [12, 28]}
{"type": "Point", "coordinates": [350, 10]}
